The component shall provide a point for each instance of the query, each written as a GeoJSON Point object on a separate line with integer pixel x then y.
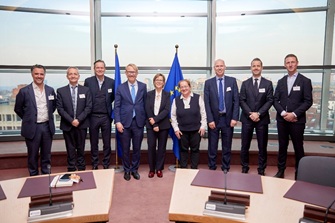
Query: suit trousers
{"type": "Point", "coordinates": [75, 148]}
{"type": "Point", "coordinates": [226, 141]}
{"type": "Point", "coordinates": [156, 158]}
{"type": "Point", "coordinates": [262, 141]}
{"type": "Point", "coordinates": [134, 135]}
{"type": "Point", "coordinates": [190, 139]}
{"type": "Point", "coordinates": [102, 122]}
{"type": "Point", "coordinates": [42, 141]}
{"type": "Point", "coordinates": [296, 132]}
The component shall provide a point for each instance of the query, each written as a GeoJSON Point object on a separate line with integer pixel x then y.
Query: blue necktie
{"type": "Point", "coordinates": [133, 97]}
{"type": "Point", "coordinates": [221, 103]}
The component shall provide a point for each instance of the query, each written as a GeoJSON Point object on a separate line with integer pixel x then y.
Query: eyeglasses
{"type": "Point", "coordinates": [159, 80]}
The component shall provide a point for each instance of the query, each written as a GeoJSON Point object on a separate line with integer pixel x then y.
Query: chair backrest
{"type": "Point", "coordinates": [318, 170]}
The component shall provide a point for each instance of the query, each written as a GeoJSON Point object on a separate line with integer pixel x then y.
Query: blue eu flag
{"type": "Point", "coordinates": [171, 86]}
{"type": "Point", "coordinates": [117, 82]}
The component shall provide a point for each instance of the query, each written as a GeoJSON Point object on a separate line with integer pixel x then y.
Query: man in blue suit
{"type": "Point", "coordinates": [102, 92]}
{"type": "Point", "coordinates": [256, 98]}
{"type": "Point", "coordinates": [293, 97]}
{"type": "Point", "coordinates": [130, 118]}
{"type": "Point", "coordinates": [35, 105]}
{"type": "Point", "coordinates": [222, 109]}
{"type": "Point", "coordinates": [74, 104]}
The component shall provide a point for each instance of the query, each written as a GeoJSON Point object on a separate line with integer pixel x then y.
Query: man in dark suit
{"type": "Point", "coordinates": [293, 97]}
{"type": "Point", "coordinates": [256, 98]}
{"type": "Point", "coordinates": [102, 92]}
{"type": "Point", "coordinates": [35, 105]}
{"type": "Point", "coordinates": [222, 109]}
{"type": "Point", "coordinates": [74, 104]}
{"type": "Point", "coordinates": [130, 119]}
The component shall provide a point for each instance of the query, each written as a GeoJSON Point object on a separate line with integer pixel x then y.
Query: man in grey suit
{"type": "Point", "coordinates": [222, 110]}
{"type": "Point", "coordinates": [130, 119]}
{"type": "Point", "coordinates": [256, 98]}
{"type": "Point", "coordinates": [35, 105]}
{"type": "Point", "coordinates": [293, 97]}
{"type": "Point", "coordinates": [102, 92]}
{"type": "Point", "coordinates": [74, 104]}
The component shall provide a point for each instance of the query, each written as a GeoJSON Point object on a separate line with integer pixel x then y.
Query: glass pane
{"type": "Point", "coordinates": [75, 5]}
{"type": "Point", "coordinates": [271, 37]}
{"type": "Point", "coordinates": [18, 79]}
{"type": "Point", "coordinates": [150, 6]}
{"type": "Point", "coordinates": [30, 38]}
{"type": "Point", "coordinates": [231, 6]}
{"type": "Point", "coordinates": [148, 41]}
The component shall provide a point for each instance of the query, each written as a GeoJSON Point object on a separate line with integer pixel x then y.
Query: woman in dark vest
{"type": "Point", "coordinates": [188, 117]}
{"type": "Point", "coordinates": [157, 107]}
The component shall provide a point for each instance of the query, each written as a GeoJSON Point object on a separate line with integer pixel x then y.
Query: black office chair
{"type": "Point", "coordinates": [318, 170]}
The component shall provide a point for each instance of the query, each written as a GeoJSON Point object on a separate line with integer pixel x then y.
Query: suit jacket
{"type": "Point", "coordinates": [124, 105]}
{"type": "Point", "coordinates": [212, 100]}
{"type": "Point", "coordinates": [108, 85]}
{"type": "Point", "coordinates": [261, 102]}
{"type": "Point", "coordinates": [298, 101]}
{"type": "Point", "coordinates": [162, 120]}
{"type": "Point", "coordinates": [65, 107]}
{"type": "Point", "coordinates": [26, 108]}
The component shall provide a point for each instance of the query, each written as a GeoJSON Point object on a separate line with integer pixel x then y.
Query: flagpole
{"type": "Point", "coordinates": [116, 167]}
{"type": "Point", "coordinates": [173, 168]}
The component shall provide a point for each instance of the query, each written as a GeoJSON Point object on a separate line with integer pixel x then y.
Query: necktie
{"type": "Point", "coordinates": [256, 86]}
{"type": "Point", "coordinates": [221, 98]}
{"type": "Point", "coordinates": [73, 95]}
{"type": "Point", "coordinates": [133, 97]}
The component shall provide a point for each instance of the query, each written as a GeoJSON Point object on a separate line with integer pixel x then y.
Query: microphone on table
{"type": "Point", "coordinates": [315, 214]}
{"type": "Point", "coordinates": [50, 193]}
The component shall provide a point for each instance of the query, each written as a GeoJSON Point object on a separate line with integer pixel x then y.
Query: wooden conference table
{"type": "Point", "coordinates": [187, 201]}
{"type": "Point", "coordinates": [89, 205]}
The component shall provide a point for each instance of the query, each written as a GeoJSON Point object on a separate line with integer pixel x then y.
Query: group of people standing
{"type": "Point", "coordinates": [90, 106]}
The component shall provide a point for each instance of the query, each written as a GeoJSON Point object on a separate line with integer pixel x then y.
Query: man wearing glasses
{"type": "Point", "coordinates": [130, 119]}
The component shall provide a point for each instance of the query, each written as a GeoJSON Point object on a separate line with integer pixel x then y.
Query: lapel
{"type": "Point", "coordinates": [127, 91]}
{"type": "Point", "coordinates": [215, 87]}
{"type": "Point", "coordinates": [296, 82]}
{"type": "Point", "coordinates": [32, 94]}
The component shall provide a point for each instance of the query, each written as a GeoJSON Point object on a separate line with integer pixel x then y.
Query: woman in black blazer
{"type": "Point", "coordinates": [158, 124]}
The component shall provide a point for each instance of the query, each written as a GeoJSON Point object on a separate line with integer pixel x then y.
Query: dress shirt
{"type": "Point", "coordinates": [100, 82]}
{"type": "Point", "coordinates": [41, 103]}
{"type": "Point", "coordinates": [290, 81]}
{"type": "Point", "coordinates": [259, 80]}
{"type": "Point", "coordinates": [75, 96]}
{"type": "Point", "coordinates": [158, 101]}
{"type": "Point", "coordinates": [135, 86]}
{"type": "Point", "coordinates": [186, 101]}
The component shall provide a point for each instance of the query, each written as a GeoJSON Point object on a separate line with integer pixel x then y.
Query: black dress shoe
{"type": "Point", "coordinates": [95, 168]}
{"type": "Point", "coordinates": [106, 167]}
{"type": "Point", "coordinates": [136, 175]}
{"type": "Point", "coordinates": [245, 170]}
{"type": "Point", "coordinates": [261, 173]}
{"type": "Point", "coordinates": [126, 176]}
{"type": "Point", "coordinates": [280, 174]}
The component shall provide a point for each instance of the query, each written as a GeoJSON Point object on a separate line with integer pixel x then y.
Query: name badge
{"type": "Point", "coordinates": [261, 90]}
{"type": "Point", "coordinates": [110, 90]}
{"type": "Point", "coordinates": [187, 106]}
{"type": "Point", "coordinates": [296, 88]}
{"type": "Point", "coordinates": [51, 97]}
{"type": "Point", "coordinates": [228, 89]}
{"type": "Point", "coordinates": [81, 95]}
